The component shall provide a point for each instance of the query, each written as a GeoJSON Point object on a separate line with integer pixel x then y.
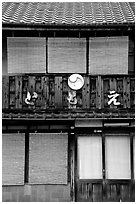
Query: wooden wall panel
{"type": "Point", "coordinates": [53, 92]}
{"type": "Point", "coordinates": [110, 192]}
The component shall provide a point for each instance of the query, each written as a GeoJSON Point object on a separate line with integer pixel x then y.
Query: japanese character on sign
{"type": "Point", "coordinates": [31, 99]}
{"type": "Point", "coordinates": [72, 98]}
{"type": "Point", "coordinates": [113, 98]}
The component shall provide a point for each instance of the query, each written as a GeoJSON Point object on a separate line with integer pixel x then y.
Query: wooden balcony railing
{"type": "Point", "coordinates": [52, 92]}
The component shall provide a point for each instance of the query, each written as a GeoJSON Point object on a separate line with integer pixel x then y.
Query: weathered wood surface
{"type": "Point", "coordinates": [97, 192]}
{"type": "Point", "coordinates": [53, 92]}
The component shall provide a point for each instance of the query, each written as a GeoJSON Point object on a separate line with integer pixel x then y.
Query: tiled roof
{"type": "Point", "coordinates": [68, 13]}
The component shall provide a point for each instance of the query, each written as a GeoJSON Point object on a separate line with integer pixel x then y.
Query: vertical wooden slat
{"type": "Point", "coordinates": [86, 93]}
{"type": "Point", "coordinates": [5, 92]}
{"type": "Point", "coordinates": [45, 92]}
{"type": "Point", "coordinates": [124, 193]}
{"type": "Point", "coordinates": [98, 93]}
{"type": "Point", "coordinates": [106, 89]}
{"type": "Point", "coordinates": [64, 92]}
{"type": "Point", "coordinates": [24, 90]}
{"type": "Point", "coordinates": [31, 87]}
{"type": "Point", "coordinates": [126, 92]}
{"type": "Point", "coordinates": [97, 192]}
{"type": "Point", "coordinates": [58, 92]}
{"type": "Point", "coordinates": [113, 189]}
{"type": "Point", "coordinates": [18, 91]}
{"type": "Point", "coordinates": [12, 92]}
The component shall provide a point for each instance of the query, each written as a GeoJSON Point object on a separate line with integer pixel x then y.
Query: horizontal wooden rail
{"type": "Point", "coordinates": [52, 92]}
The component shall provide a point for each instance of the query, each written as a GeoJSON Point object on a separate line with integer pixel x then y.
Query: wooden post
{"type": "Point", "coordinates": [31, 87]}
{"type": "Point", "coordinates": [126, 92]}
{"type": "Point", "coordinates": [86, 93]}
{"type": "Point", "coordinates": [18, 91]}
{"type": "Point", "coordinates": [58, 92]}
{"type": "Point", "coordinates": [98, 93]}
{"type": "Point", "coordinates": [5, 92]}
{"type": "Point", "coordinates": [45, 92]}
{"type": "Point", "coordinates": [72, 166]}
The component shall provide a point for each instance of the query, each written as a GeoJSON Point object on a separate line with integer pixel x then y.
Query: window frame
{"type": "Point", "coordinates": [103, 134]}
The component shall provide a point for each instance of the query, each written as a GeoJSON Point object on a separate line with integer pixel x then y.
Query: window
{"type": "Point", "coordinates": [13, 156]}
{"type": "Point", "coordinates": [109, 155]}
{"type": "Point", "coordinates": [118, 157]}
{"type": "Point", "coordinates": [26, 55]}
{"type": "Point", "coordinates": [108, 55]}
{"type": "Point", "coordinates": [104, 55]}
{"type": "Point", "coordinates": [90, 157]}
{"type": "Point", "coordinates": [66, 55]}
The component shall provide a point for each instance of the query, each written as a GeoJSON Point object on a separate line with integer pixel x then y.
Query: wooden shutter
{"type": "Point", "coordinates": [108, 55]}
{"type": "Point", "coordinates": [13, 153]}
{"type": "Point", "coordinates": [26, 55]}
{"type": "Point", "coordinates": [48, 158]}
{"type": "Point", "coordinates": [66, 55]}
{"type": "Point", "coordinates": [118, 157]}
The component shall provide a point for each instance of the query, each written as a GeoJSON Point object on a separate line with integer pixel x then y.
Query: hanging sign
{"type": "Point", "coordinates": [75, 81]}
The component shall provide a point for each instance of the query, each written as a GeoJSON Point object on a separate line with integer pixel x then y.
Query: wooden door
{"type": "Point", "coordinates": [104, 169]}
{"type": "Point", "coordinates": [89, 168]}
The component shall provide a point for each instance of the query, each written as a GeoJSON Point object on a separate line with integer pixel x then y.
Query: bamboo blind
{"type": "Point", "coordinates": [66, 55]}
{"type": "Point", "coordinates": [48, 158]}
{"type": "Point", "coordinates": [13, 153]}
{"type": "Point", "coordinates": [4, 57]}
{"type": "Point", "coordinates": [26, 55]}
{"type": "Point", "coordinates": [108, 55]}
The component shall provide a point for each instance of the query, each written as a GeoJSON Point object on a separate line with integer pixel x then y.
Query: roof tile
{"type": "Point", "coordinates": [66, 13]}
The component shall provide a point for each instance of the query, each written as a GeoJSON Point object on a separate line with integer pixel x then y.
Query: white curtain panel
{"type": "Point", "coordinates": [90, 157]}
